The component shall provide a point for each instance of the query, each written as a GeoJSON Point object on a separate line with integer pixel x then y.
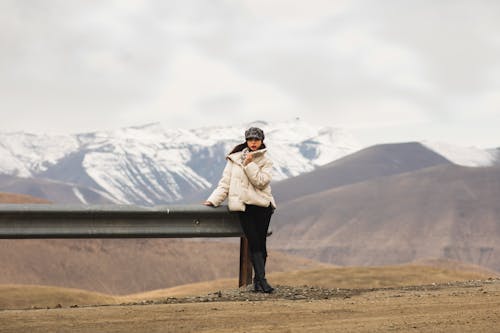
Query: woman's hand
{"type": "Point", "coordinates": [208, 203]}
{"type": "Point", "coordinates": [248, 159]}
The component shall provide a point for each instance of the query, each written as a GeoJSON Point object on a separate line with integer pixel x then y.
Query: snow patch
{"type": "Point", "coordinates": [79, 195]}
{"type": "Point", "coordinates": [465, 156]}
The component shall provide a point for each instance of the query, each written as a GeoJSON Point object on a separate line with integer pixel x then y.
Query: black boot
{"type": "Point", "coordinates": [260, 282]}
{"type": "Point", "coordinates": [256, 286]}
{"type": "Point", "coordinates": [256, 282]}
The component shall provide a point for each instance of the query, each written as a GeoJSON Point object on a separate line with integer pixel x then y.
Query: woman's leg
{"type": "Point", "coordinates": [255, 223]}
{"type": "Point", "coordinates": [262, 226]}
{"type": "Point", "coordinates": [249, 226]}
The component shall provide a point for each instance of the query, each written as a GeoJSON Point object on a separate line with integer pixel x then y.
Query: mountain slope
{"type": "Point", "coordinates": [369, 163]}
{"type": "Point", "coordinates": [54, 191]}
{"type": "Point", "coordinates": [446, 211]}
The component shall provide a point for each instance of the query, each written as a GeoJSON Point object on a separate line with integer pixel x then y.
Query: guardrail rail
{"type": "Point", "coordinates": [42, 221]}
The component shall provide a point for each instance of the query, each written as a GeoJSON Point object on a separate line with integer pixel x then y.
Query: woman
{"type": "Point", "coordinates": [245, 182]}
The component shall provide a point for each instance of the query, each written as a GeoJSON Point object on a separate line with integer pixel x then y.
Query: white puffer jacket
{"type": "Point", "coordinates": [245, 184]}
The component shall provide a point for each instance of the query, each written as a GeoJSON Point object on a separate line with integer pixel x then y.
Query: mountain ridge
{"type": "Point", "coordinates": [150, 165]}
{"type": "Point", "coordinates": [368, 163]}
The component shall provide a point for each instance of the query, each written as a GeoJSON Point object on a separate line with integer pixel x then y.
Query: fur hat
{"type": "Point", "coordinates": [254, 133]}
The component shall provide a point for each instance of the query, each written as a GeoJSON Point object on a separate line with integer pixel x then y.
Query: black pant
{"type": "Point", "coordinates": [255, 223]}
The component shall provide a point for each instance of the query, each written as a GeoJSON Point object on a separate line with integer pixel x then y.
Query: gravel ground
{"type": "Point", "coordinates": [471, 306]}
{"type": "Point", "coordinates": [292, 293]}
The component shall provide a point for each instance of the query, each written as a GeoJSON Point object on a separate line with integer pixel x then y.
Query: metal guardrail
{"type": "Point", "coordinates": [29, 221]}
{"type": "Point", "coordinates": [58, 221]}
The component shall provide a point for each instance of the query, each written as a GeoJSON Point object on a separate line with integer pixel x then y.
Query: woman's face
{"type": "Point", "coordinates": [254, 144]}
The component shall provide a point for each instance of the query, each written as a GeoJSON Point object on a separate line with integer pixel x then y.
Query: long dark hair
{"type": "Point", "coordinates": [242, 146]}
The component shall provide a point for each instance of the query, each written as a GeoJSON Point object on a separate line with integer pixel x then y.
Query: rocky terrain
{"type": "Point", "coordinates": [311, 293]}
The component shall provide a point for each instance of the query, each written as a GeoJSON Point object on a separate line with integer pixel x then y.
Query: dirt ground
{"type": "Point", "coordinates": [472, 306]}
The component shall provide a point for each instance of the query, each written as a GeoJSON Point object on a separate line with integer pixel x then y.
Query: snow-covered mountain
{"type": "Point", "coordinates": [465, 156]}
{"type": "Point", "coordinates": [152, 165]}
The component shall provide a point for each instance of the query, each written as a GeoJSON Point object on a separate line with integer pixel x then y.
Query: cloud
{"type": "Point", "coordinates": [297, 13]}
{"type": "Point", "coordinates": [331, 69]}
{"type": "Point", "coordinates": [453, 38]}
{"type": "Point", "coordinates": [87, 65]}
{"type": "Point", "coordinates": [200, 88]}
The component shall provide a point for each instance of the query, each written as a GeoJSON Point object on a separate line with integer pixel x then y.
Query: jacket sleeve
{"type": "Point", "coordinates": [260, 177]}
{"type": "Point", "coordinates": [222, 189]}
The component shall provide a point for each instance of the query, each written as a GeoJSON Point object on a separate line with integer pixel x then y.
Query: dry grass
{"type": "Point", "coordinates": [18, 297]}
{"type": "Point", "coordinates": [336, 277]}
{"type": "Point", "coordinates": [375, 277]}
{"type": "Point", "coordinates": [26, 297]}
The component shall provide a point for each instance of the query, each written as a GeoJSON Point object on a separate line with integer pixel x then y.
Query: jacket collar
{"type": "Point", "coordinates": [235, 157]}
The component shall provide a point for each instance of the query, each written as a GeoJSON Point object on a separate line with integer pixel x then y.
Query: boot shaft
{"type": "Point", "coordinates": [258, 265]}
{"type": "Point", "coordinates": [260, 282]}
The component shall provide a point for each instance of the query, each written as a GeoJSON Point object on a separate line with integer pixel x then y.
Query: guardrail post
{"type": "Point", "coordinates": [245, 264]}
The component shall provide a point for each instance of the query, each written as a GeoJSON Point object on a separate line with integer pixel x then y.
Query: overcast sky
{"type": "Point", "coordinates": [388, 70]}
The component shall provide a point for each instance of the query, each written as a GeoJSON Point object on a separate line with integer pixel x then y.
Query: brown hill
{"type": "Point", "coordinates": [124, 266]}
{"type": "Point", "coordinates": [497, 155]}
{"type": "Point", "coordinates": [51, 190]}
{"type": "Point", "coordinates": [445, 211]}
{"type": "Point", "coordinates": [366, 164]}
{"type": "Point", "coordinates": [14, 198]}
